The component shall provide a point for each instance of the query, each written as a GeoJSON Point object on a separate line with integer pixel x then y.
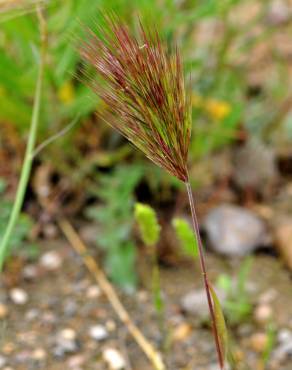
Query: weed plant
{"type": "Point", "coordinates": [114, 215]}
{"type": "Point", "coordinates": [144, 87]}
{"type": "Point", "coordinates": [150, 233]}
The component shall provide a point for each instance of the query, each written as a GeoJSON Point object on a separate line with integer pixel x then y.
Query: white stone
{"type": "Point", "coordinates": [51, 260]}
{"type": "Point", "coordinates": [18, 296]}
{"type": "Point", "coordinates": [98, 332]}
{"type": "Point", "coordinates": [114, 359]}
{"type": "Point", "coordinates": [39, 354]}
{"type": "Point", "coordinates": [68, 334]}
{"type": "Point", "coordinates": [93, 291]}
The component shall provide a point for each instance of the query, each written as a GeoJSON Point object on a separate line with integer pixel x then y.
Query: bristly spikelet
{"type": "Point", "coordinates": [144, 87]}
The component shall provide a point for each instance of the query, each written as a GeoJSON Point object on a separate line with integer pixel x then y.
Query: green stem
{"type": "Point", "coordinates": [28, 158]}
{"type": "Point", "coordinates": [157, 298]}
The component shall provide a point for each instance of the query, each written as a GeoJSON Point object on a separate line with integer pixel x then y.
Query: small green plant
{"type": "Point", "coordinates": [271, 340]}
{"type": "Point", "coordinates": [237, 306]}
{"type": "Point", "coordinates": [29, 154]}
{"type": "Point", "coordinates": [18, 241]}
{"type": "Point", "coordinates": [150, 233]}
{"type": "Point", "coordinates": [115, 217]}
{"type": "Point", "coordinates": [185, 236]}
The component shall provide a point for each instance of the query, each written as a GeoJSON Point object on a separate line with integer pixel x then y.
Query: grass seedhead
{"type": "Point", "coordinates": [144, 88]}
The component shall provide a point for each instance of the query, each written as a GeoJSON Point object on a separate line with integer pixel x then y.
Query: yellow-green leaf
{"type": "Point", "coordinates": [220, 323]}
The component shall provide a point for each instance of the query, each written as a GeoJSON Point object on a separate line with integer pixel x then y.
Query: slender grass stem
{"type": "Point", "coordinates": [205, 276]}
{"type": "Point", "coordinates": [157, 297]}
{"type": "Point", "coordinates": [28, 158]}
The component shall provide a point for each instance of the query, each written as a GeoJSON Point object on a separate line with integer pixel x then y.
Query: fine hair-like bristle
{"type": "Point", "coordinates": [144, 87]}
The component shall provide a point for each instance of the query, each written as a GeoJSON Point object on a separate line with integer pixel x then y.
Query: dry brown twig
{"type": "Point", "coordinates": [91, 264]}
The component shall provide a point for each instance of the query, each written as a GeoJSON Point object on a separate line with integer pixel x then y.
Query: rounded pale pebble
{"type": "Point", "coordinates": [110, 325]}
{"type": "Point", "coordinates": [68, 334]}
{"type": "Point", "coordinates": [258, 342]}
{"type": "Point", "coordinates": [39, 354]}
{"type": "Point", "coordinates": [93, 291]}
{"type": "Point", "coordinates": [98, 332]}
{"type": "Point", "coordinates": [114, 359]}
{"type": "Point", "coordinates": [263, 314]}
{"type": "Point", "coordinates": [30, 272]}
{"type": "Point", "coordinates": [75, 361]}
{"type": "Point", "coordinates": [18, 296]}
{"type": "Point", "coordinates": [285, 335]}
{"type": "Point", "coordinates": [51, 260]}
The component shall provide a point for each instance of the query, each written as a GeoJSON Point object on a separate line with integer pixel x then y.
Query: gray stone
{"type": "Point", "coordinates": [66, 342]}
{"type": "Point", "coordinates": [234, 231]}
{"type": "Point", "coordinates": [70, 308]}
{"type": "Point", "coordinates": [195, 302]}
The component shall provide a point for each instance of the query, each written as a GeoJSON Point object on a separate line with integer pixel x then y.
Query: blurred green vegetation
{"type": "Point", "coordinates": [19, 243]}
{"type": "Point", "coordinates": [234, 84]}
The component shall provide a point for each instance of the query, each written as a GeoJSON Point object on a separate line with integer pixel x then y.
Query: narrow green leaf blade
{"type": "Point", "coordinates": [220, 323]}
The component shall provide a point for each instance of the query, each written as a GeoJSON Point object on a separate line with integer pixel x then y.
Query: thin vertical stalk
{"type": "Point", "coordinates": [204, 273]}
{"type": "Point", "coordinates": [28, 158]}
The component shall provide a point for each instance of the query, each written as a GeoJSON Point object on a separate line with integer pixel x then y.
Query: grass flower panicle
{"type": "Point", "coordinates": [144, 86]}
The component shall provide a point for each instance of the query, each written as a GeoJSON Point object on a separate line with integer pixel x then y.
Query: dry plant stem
{"type": "Point", "coordinates": [204, 273]}
{"type": "Point", "coordinates": [109, 291]}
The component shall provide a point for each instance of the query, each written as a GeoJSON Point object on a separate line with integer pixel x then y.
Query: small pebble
{"type": "Point", "coordinates": [51, 260]}
{"type": "Point", "coordinates": [182, 332]}
{"type": "Point", "coordinates": [39, 354]}
{"type": "Point", "coordinates": [18, 296]}
{"type": "Point", "coordinates": [49, 317]}
{"type": "Point", "coordinates": [195, 303]}
{"type": "Point", "coordinates": [66, 342]}
{"type": "Point", "coordinates": [8, 348]}
{"type": "Point", "coordinates": [70, 308]}
{"type": "Point", "coordinates": [32, 314]}
{"type": "Point", "coordinates": [284, 348]}
{"type": "Point", "coordinates": [3, 361]}
{"type": "Point", "coordinates": [258, 342]}
{"type": "Point", "coordinates": [284, 336]}
{"type": "Point", "coordinates": [93, 292]}
{"type": "Point", "coordinates": [143, 296]}
{"type": "Point", "coordinates": [22, 356]}
{"type": "Point", "coordinates": [30, 272]}
{"type": "Point", "coordinates": [110, 325]}
{"type": "Point", "coordinates": [3, 311]}
{"type": "Point", "coordinates": [114, 359]}
{"type": "Point", "coordinates": [75, 361]}
{"type": "Point", "coordinates": [98, 332]}
{"type": "Point", "coordinates": [263, 314]}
